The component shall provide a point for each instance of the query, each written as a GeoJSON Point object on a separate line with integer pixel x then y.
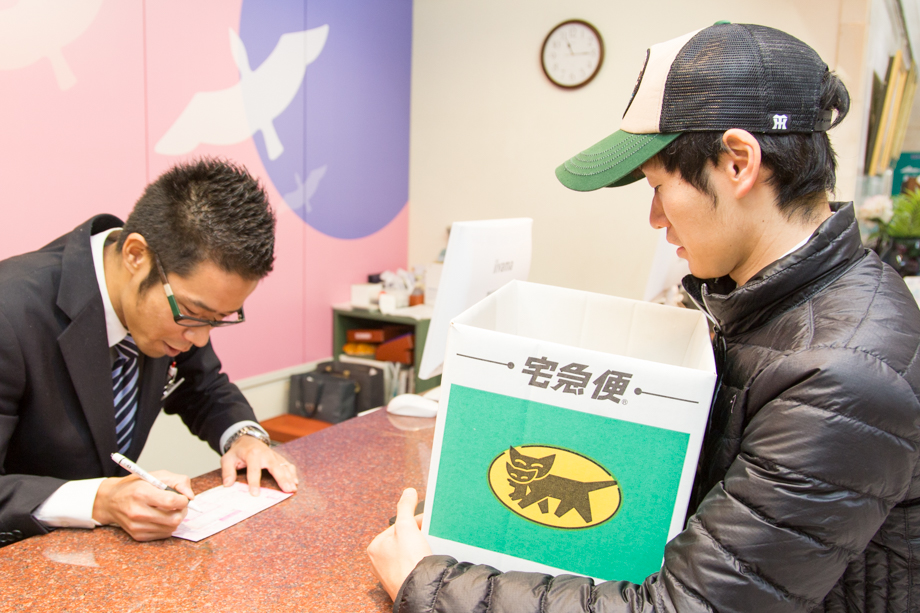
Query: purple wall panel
{"type": "Point", "coordinates": [356, 106]}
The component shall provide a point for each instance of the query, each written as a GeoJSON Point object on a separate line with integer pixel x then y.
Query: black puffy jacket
{"type": "Point", "coordinates": [807, 495]}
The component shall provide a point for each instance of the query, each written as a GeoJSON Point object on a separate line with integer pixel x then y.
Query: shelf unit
{"type": "Point", "coordinates": [345, 318]}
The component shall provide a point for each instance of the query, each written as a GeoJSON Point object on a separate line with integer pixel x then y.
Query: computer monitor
{"type": "Point", "coordinates": [481, 257]}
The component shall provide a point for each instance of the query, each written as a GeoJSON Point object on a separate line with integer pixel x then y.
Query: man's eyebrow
{"type": "Point", "coordinates": [202, 305]}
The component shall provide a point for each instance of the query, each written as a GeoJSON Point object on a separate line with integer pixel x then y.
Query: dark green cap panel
{"type": "Point", "coordinates": [612, 161]}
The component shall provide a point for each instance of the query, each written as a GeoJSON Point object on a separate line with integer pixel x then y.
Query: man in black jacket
{"type": "Point", "coordinates": [807, 495]}
{"type": "Point", "coordinates": [106, 325]}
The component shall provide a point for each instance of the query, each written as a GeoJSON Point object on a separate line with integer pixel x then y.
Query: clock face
{"type": "Point", "coordinates": [572, 54]}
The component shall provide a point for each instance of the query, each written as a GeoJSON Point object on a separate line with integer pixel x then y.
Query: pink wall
{"type": "Point", "coordinates": [72, 148]}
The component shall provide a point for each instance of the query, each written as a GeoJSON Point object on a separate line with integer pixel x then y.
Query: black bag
{"type": "Point", "coordinates": [369, 380]}
{"type": "Point", "coordinates": [325, 396]}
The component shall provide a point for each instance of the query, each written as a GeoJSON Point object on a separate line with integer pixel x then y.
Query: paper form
{"type": "Point", "coordinates": [222, 507]}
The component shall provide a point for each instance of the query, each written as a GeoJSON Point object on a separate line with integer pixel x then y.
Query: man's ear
{"type": "Point", "coordinates": [136, 255]}
{"type": "Point", "coordinates": [740, 160]}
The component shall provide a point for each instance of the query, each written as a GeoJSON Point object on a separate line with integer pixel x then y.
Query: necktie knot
{"type": "Point", "coordinates": [127, 348]}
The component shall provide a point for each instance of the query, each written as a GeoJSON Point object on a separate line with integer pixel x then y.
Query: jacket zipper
{"type": "Point", "coordinates": [719, 349]}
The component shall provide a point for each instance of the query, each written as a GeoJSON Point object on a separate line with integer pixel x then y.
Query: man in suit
{"type": "Point", "coordinates": [106, 325]}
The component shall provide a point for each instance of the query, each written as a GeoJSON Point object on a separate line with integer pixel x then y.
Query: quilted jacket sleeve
{"type": "Point", "coordinates": [830, 447]}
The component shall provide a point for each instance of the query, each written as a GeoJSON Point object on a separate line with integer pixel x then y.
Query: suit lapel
{"type": "Point", "coordinates": [83, 343]}
{"type": "Point", "coordinates": [86, 354]}
{"type": "Point", "coordinates": [152, 380]}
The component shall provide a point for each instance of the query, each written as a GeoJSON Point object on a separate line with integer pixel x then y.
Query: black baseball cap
{"type": "Point", "coordinates": [725, 76]}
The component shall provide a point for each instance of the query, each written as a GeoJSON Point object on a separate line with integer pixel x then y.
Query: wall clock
{"type": "Point", "coordinates": [572, 54]}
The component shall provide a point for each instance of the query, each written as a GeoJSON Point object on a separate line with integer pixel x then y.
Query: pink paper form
{"type": "Point", "coordinates": [222, 507]}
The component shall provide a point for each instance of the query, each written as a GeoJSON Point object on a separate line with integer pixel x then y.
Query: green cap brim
{"type": "Point", "coordinates": [612, 162]}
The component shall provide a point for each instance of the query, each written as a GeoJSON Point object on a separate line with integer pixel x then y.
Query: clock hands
{"type": "Point", "coordinates": [572, 51]}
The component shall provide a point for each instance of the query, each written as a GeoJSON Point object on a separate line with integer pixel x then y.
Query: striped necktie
{"type": "Point", "coordinates": [124, 386]}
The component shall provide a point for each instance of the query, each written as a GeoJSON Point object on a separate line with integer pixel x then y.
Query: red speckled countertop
{"type": "Point", "coordinates": [304, 554]}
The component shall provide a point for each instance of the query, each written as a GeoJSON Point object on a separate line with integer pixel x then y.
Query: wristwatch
{"type": "Point", "coordinates": [247, 431]}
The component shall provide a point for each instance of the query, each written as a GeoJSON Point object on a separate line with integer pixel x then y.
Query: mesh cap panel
{"type": "Point", "coordinates": [743, 76]}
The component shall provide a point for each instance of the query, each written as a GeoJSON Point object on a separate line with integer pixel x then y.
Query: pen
{"type": "Point", "coordinates": [131, 467]}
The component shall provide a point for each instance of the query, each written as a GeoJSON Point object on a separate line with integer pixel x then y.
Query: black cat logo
{"type": "Point", "coordinates": [584, 493]}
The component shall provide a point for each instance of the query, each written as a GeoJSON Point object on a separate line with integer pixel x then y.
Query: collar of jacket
{"type": "Point", "coordinates": [79, 289]}
{"type": "Point", "coordinates": [787, 282]}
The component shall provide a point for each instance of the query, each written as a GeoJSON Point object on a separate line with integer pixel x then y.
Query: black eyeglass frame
{"type": "Point", "coordinates": [187, 320]}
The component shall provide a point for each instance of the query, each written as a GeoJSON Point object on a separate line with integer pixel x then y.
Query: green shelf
{"type": "Point", "coordinates": [345, 319]}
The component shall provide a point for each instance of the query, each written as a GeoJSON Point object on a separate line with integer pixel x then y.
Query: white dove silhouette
{"type": "Point", "coordinates": [234, 114]}
{"type": "Point", "coordinates": [300, 197]}
{"type": "Point", "coordinates": [34, 29]}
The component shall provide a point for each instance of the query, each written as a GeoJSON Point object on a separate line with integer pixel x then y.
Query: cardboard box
{"type": "Point", "coordinates": [568, 432]}
{"type": "Point", "coordinates": [365, 295]}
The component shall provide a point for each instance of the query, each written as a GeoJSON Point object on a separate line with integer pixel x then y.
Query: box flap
{"type": "Point", "coordinates": [642, 330]}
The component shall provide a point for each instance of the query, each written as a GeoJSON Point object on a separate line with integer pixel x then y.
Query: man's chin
{"type": "Point", "coordinates": [157, 350]}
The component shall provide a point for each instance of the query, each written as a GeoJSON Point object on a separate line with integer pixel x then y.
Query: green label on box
{"type": "Point", "coordinates": [589, 494]}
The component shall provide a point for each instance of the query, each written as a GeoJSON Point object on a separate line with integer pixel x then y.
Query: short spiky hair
{"type": "Point", "coordinates": [206, 209]}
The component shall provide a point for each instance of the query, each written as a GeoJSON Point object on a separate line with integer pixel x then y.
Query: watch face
{"type": "Point", "coordinates": [572, 54]}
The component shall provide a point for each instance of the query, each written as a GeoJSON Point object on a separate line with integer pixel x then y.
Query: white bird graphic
{"type": "Point", "coordinates": [34, 29]}
{"type": "Point", "coordinates": [300, 197]}
{"type": "Point", "coordinates": [234, 114]}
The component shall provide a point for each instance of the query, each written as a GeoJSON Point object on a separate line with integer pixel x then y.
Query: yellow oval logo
{"type": "Point", "coordinates": [554, 487]}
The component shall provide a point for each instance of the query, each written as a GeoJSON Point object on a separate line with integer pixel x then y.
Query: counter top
{"type": "Point", "coordinates": [304, 554]}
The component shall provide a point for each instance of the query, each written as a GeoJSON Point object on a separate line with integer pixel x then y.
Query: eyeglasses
{"type": "Point", "coordinates": [187, 320]}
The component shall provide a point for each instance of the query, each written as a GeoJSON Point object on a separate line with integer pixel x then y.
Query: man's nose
{"type": "Point", "coordinates": [197, 336]}
{"type": "Point", "coordinates": [656, 216]}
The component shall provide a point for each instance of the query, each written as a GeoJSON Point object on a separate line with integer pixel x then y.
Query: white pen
{"type": "Point", "coordinates": [131, 467]}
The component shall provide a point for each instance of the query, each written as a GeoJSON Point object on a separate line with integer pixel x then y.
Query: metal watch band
{"type": "Point", "coordinates": [246, 431]}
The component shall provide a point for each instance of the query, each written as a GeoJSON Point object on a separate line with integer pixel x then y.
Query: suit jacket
{"type": "Point", "coordinates": [57, 420]}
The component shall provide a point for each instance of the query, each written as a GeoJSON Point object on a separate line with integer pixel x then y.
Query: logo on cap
{"type": "Point", "coordinates": [648, 54]}
{"type": "Point", "coordinates": [779, 122]}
